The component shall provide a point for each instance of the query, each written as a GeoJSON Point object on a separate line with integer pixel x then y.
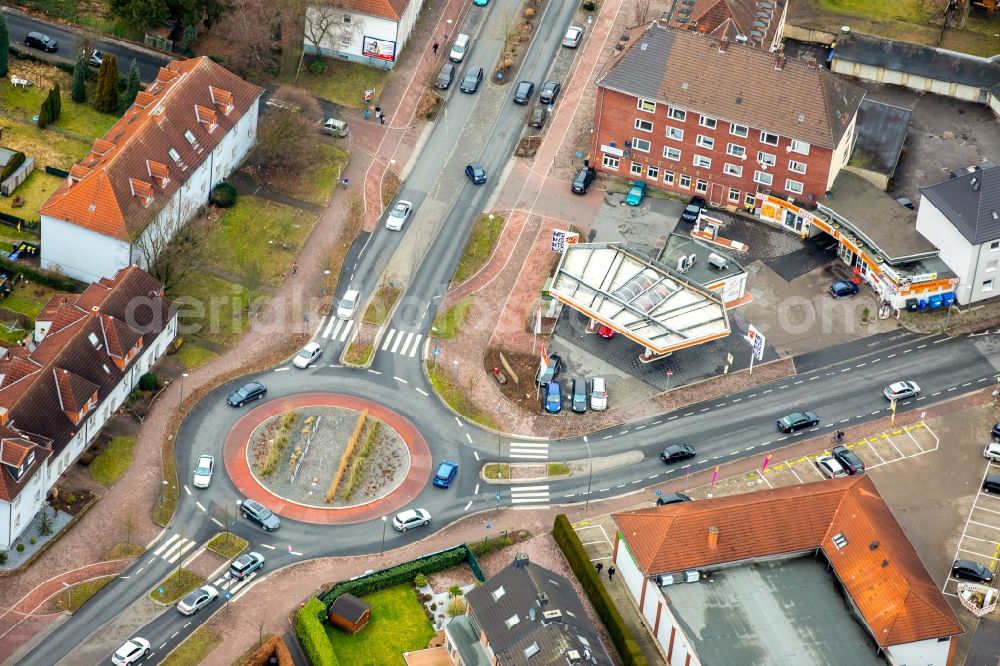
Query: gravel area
{"type": "Point", "coordinates": [326, 431]}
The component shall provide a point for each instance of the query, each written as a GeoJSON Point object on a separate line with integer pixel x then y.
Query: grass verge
{"type": "Point", "coordinates": [214, 308]}
{"type": "Point", "coordinates": [558, 469]}
{"type": "Point", "coordinates": [80, 594]}
{"type": "Point", "coordinates": [175, 586]}
{"type": "Point", "coordinates": [195, 648]}
{"type": "Point", "coordinates": [492, 470]}
{"type": "Point", "coordinates": [480, 246]}
{"type": "Point", "coordinates": [113, 461]}
{"type": "Point", "coordinates": [398, 625]}
{"type": "Point", "coordinates": [123, 551]}
{"type": "Point", "coordinates": [352, 227]}
{"type": "Point", "coordinates": [228, 544]}
{"type": "Point", "coordinates": [448, 324]}
{"type": "Point", "coordinates": [192, 356]}
{"type": "Point", "coordinates": [343, 82]}
{"type": "Point", "coordinates": [381, 304]}
{"type": "Point", "coordinates": [34, 191]}
{"type": "Point", "coordinates": [358, 353]}
{"type": "Point", "coordinates": [457, 398]}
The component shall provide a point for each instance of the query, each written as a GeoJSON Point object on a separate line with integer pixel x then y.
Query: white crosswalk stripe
{"type": "Point", "coordinates": [227, 583]}
{"type": "Point", "coordinates": [533, 450]}
{"type": "Point", "coordinates": [404, 343]}
{"type": "Point", "coordinates": [338, 329]}
{"type": "Point", "coordinates": [529, 495]}
{"type": "Point", "coordinates": [174, 548]}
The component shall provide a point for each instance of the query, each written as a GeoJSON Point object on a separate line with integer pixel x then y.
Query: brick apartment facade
{"type": "Point", "coordinates": [693, 114]}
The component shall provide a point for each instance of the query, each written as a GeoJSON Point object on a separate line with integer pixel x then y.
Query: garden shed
{"type": "Point", "coordinates": [14, 169]}
{"type": "Point", "coordinates": [349, 613]}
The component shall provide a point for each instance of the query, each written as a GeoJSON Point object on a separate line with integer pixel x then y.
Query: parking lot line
{"type": "Point", "coordinates": [975, 552]}
{"type": "Point", "coordinates": [992, 527]}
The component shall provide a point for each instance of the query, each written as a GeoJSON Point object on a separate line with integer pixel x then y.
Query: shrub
{"type": "Point", "coordinates": [148, 382]}
{"type": "Point", "coordinates": [456, 607]}
{"type": "Point", "coordinates": [44, 524]}
{"type": "Point", "coordinates": [454, 591]}
{"type": "Point", "coordinates": [589, 6]}
{"type": "Point", "coordinates": [420, 580]}
{"type": "Point", "coordinates": [32, 541]}
{"type": "Point", "coordinates": [309, 629]}
{"type": "Point", "coordinates": [529, 13]}
{"type": "Point", "coordinates": [481, 548]}
{"type": "Point", "coordinates": [20, 547]}
{"type": "Point", "coordinates": [434, 606]}
{"type": "Point", "coordinates": [223, 195]}
{"type": "Point", "coordinates": [397, 575]}
{"type": "Point", "coordinates": [317, 66]}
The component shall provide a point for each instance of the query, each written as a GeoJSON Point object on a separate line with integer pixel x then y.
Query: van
{"type": "Point", "coordinates": [459, 48]}
{"type": "Point", "coordinates": [579, 395]}
{"type": "Point", "coordinates": [347, 304]}
{"type": "Point", "coordinates": [334, 127]}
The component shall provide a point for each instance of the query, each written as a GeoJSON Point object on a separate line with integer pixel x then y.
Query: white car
{"type": "Point", "coordinates": [307, 355]}
{"type": "Point", "coordinates": [398, 216]}
{"type": "Point", "coordinates": [992, 451]}
{"type": "Point", "coordinates": [598, 394]}
{"type": "Point", "coordinates": [203, 472]}
{"type": "Point", "coordinates": [132, 651]}
{"type": "Point", "coordinates": [901, 390]}
{"type": "Point", "coordinates": [572, 38]}
{"type": "Point", "coordinates": [197, 600]}
{"type": "Point", "coordinates": [830, 467]}
{"type": "Point", "coordinates": [347, 304]}
{"type": "Point", "coordinates": [411, 518]}
{"type": "Point", "coordinates": [459, 48]}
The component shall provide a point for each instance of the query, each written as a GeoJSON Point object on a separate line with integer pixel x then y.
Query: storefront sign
{"type": "Point", "coordinates": [923, 277]}
{"type": "Point", "coordinates": [561, 238]}
{"type": "Point", "coordinates": [381, 49]}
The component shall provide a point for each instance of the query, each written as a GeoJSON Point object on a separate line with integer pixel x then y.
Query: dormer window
{"type": "Point", "coordinates": [206, 117]}
{"type": "Point", "coordinates": [29, 460]}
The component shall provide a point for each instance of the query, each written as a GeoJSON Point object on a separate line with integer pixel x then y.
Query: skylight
{"type": "Point", "coordinates": [512, 620]}
{"type": "Point", "coordinates": [499, 592]}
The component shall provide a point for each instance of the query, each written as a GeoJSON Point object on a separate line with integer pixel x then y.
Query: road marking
{"type": "Point", "coordinates": [610, 436]}
{"type": "Point", "coordinates": [621, 486]}
{"type": "Point", "coordinates": [163, 646]}
{"type": "Point", "coordinates": [458, 421]}
{"type": "Point", "coordinates": [650, 478]}
{"type": "Point", "coordinates": [860, 365]}
{"type": "Point", "coordinates": [907, 351]}
{"type": "Point", "coordinates": [661, 420]}
{"type": "Point", "coordinates": [703, 410]}
{"type": "Point", "coordinates": [672, 418]}
{"type": "Point", "coordinates": [734, 402]}
{"type": "Point", "coordinates": [721, 404]}
{"type": "Point", "coordinates": [218, 523]}
{"type": "Point", "coordinates": [798, 382]}
{"type": "Point", "coordinates": [934, 394]}
{"type": "Point", "coordinates": [138, 571]}
{"type": "Point", "coordinates": [388, 338]}
{"type": "Point", "coordinates": [188, 491]}
{"type": "Point", "coordinates": [768, 391]}
{"type": "Point", "coordinates": [422, 392]}
{"type": "Point", "coordinates": [374, 372]}
{"type": "Point", "coordinates": [966, 384]}
{"type": "Point", "coordinates": [468, 437]}
{"type": "Point", "coordinates": [780, 439]}
{"type": "Point", "coordinates": [198, 504]}
{"type": "Point", "coordinates": [752, 395]}
{"type": "Point", "coordinates": [267, 546]}
{"type": "Point", "coordinates": [329, 326]}
{"type": "Point", "coordinates": [165, 544]}
{"type": "Point", "coordinates": [937, 341]}
{"type": "Point", "coordinates": [175, 553]}
{"type": "Point", "coordinates": [689, 414]}
{"type": "Point", "coordinates": [603, 490]}
{"type": "Point", "coordinates": [400, 380]}
{"type": "Point", "coordinates": [921, 346]}
{"type": "Point", "coordinates": [476, 453]}
{"type": "Point", "coordinates": [890, 356]}
{"type": "Point", "coordinates": [623, 432]}
{"type": "Point", "coordinates": [399, 338]}
{"type": "Point", "coordinates": [406, 345]}
{"type": "Point", "coordinates": [295, 553]}
{"type": "Point", "coordinates": [749, 448]}
{"type": "Point", "coordinates": [876, 361]}
{"type": "Point", "coordinates": [347, 329]}
{"type": "Point", "coordinates": [476, 491]}
{"type": "Point", "coordinates": [846, 370]}
{"type": "Point", "coordinates": [953, 388]}
{"type": "Point", "coordinates": [416, 346]}
{"type": "Point", "coordinates": [281, 369]}
{"type": "Point", "coordinates": [175, 635]}
{"type": "Point", "coordinates": [532, 450]}
{"type": "Point", "coordinates": [813, 378]}
{"type": "Point", "coordinates": [642, 426]}
{"type": "Point", "coordinates": [467, 506]}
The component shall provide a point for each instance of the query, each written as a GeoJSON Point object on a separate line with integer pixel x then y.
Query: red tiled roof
{"type": "Point", "coordinates": [110, 192]}
{"type": "Point", "coordinates": [390, 9]}
{"type": "Point", "coordinates": [14, 451]}
{"type": "Point", "coordinates": [746, 17]}
{"type": "Point", "coordinates": [887, 582]}
{"type": "Point", "coordinates": [74, 391]}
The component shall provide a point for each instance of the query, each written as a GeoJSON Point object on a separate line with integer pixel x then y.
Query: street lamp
{"type": "Point", "coordinates": [590, 475]}
{"type": "Point", "coordinates": [385, 521]}
{"type": "Point", "coordinates": [183, 375]}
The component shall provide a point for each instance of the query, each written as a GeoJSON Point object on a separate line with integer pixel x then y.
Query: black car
{"type": "Point", "coordinates": [37, 40]}
{"type": "Point", "coordinates": [538, 117]}
{"type": "Point", "coordinates": [445, 76]}
{"type": "Point", "coordinates": [970, 570]}
{"type": "Point", "coordinates": [549, 92]}
{"type": "Point", "coordinates": [672, 498]}
{"type": "Point", "coordinates": [473, 77]}
{"type": "Point", "coordinates": [476, 173]}
{"type": "Point", "coordinates": [693, 210]}
{"type": "Point", "coordinates": [246, 564]}
{"type": "Point", "coordinates": [579, 404]}
{"type": "Point", "coordinates": [584, 177]}
{"type": "Point", "coordinates": [258, 513]}
{"type": "Point", "coordinates": [797, 421]}
{"type": "Point", "coordinates": [674, 452]}
{"type": "Point", "coordinates": [524, 91]}
{"type": "Point", "coordinates": [848, 459]}
{"type": "Point", "coordinates": [995, 432]}
{"type": "Point", "coordinates": [991, 484]}
{"type": "Point", "coordinates": [248, 392]}
{"type": "Point", "coordinates": [552, 371]}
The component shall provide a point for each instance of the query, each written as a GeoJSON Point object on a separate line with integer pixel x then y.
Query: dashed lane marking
{"type": "Point", "coordinates": [400, 380]}
{"type": "Point", "coordinates": [281, 369]}
{"type": "Point", "coordinates": [198, 504]}
{"type": "Point", "coordinates": [467, 506]}
{"type": "Point", "coordinates": [422, 392]}
{"type": "Point", "coordinates": [187, 490]}
{"type": "Point", "coordinates": [218, 522]}
{"type": "Point", "coordinates": [374, 372]}
{"type": "Point", "coordinates": [267, 546]}
{"type": "Point", "coordinates": [458, 421]}
{"type": "Point", "coordinates": [468, 437]}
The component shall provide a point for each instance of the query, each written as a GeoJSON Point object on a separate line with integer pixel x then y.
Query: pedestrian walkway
{"type": "Point", "coordinates": [173, 548]}
{"type": "Point", "coordinates": [522, 496]}
{"type": "Point", "coordinates": [337, 329]}
{"type": "Point", "coordinates": [531, 450]}
{"type": "Point", "coordinates": [404, 343]}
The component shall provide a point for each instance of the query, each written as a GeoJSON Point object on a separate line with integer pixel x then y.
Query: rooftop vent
{"type": "Point", "coordinates": [552, 615]}
{"type": "Point", "coordinates": [542, 598]}
{"type": "Point", "coordinates": [873, 545]}
{"type": "Point", "coordinates": [573, 656]}
{"type": "Point", "coordinates": [521, 559]}
{"type": "Point", "coordinates": [643, 46]}
{"type": "Point", "coordinates": [741, 39]}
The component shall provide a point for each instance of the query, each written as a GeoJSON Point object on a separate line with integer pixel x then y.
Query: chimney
{"type": "Point", "coordinates": [713, 537]}
{"type": "Point", "coordinates": [779, 60]}
{"type": "Point", "coordinates": [94, 311]}
{"type": "Point", "coordinates": [543, 599]}
{"type": "Point", "coordinates": [521, 559]}
{"type": "Point", "coordinates": [811, 62]}
{"type": "Point", "coordinates": [723, 44]}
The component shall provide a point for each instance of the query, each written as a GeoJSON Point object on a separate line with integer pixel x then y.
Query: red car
{"type": "Point", "coordinates": [606, 332]}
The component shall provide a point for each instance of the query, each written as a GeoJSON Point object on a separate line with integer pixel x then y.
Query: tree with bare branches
{"type": "Point", "coordinates": [326, 24]}
{"type": "Point", "coordinates": [287, 135]}
{"type": "Point", "coordinates": [641, 11]}
{"type": "Point", "coordinates": [171, 257]}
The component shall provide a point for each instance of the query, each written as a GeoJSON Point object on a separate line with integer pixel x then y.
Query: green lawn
{"type": "Point", "coordinates": [192, 356]}
{"type": "Point", "coordinates": [116, 457]}
{"type": "Point", "coordinates": [35, 190]}
{"type": "Point", "coordinates": [480, 246]}
{"type": "Point", "coordinates": [343, 82]}
{"type": "Point", "coordinates": [195, 648]}
{"type": "Point", "coordinates": [448, 324]}
{"type": "Point", "coordinates": [79, 594]}
{"type": "Point", "coordinates": [175, 586]}
{"type": "Point", "coordinates": [212, 308]}
{"type": "Point", "coordinates": [228, 544]}
{"type": "Point", "coordinates": [381, 304]}
{"type": "Point", "coordinates": [80, 119]}
{"type": "Point", "coordinates": [47, 147]}
{"type": "Point", "coordinates": [258, 239]}
{"type": "Point", "coordinates": [398, 625]}
{"type": "Point", "coordinates": [456, 396]}
{"type": "Point", "coordinates": [27, 299]}
{"type": "Point", "coordinates": [319, 184]}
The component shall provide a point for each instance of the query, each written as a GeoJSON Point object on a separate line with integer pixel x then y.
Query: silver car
{"type": "Point", "coordinates": [307, 355]}
{"type": "Point", "coordinates": [197, 600]}
{"type": "Point", "coordinates": [830, 467]}
{"type": "Point", "coordinates": [573, 36]}
{"type": "Point", "coordinates": [203, 472]}
{"type": "Point", "coordinates": [398, 216]}
{"type": "Point", "coordinates": [901, 390]}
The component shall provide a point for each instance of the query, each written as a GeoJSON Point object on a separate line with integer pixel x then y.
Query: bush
{"type": "Point", "coordinates": [20, 547]}
{"type": "Point", "coordinates": [481, 548]}
{"type": "Point", "coordinates": [317, 67]}
{"type": "Point", "coordinates": [397, 575]}
{"type": "Point", "coordinates": [32, 541]}
{"type": "Point", "coordinates": [15, 161]}
{"type": "Point", "coordinates": [309, 629]}
{"type": "Point", "coordinates": [434, 606]}
{"type": "Point", "coordinates": [454, 591]}
{"type": "Point", "coordinates": [420, 580]}
{"type": "Point", "coordinates": [223, 195]}
{"type": "Point", "coordinates": [579, 562]}
{"type": "Point", "coordinates": [456, 607]}
{"type": "Point", "coordinates": [148, 382]}
{"type": "Point", "coordinates": [49, 279]}
{"type": "Point", "coordinates": [589, 6]}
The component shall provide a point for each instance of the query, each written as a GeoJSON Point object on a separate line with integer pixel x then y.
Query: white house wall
{"type": "Point", "coordinates": [973, 264]}
{"type": "Point", "coordinates": [930, 652]}
{"type": "Point", "coordinates": [841, 153]}
{"type": "Point", "coordinates": [16, 516]}
{"type": "Point", "coordinates": [348, 43]}
{"type": "Point", "coordinates": [912, 81]}
{"type": "Point", "coordinates": [79, 252]}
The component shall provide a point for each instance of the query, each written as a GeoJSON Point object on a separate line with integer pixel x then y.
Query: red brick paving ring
{"type": "Point", "coordinates": [235, 455]}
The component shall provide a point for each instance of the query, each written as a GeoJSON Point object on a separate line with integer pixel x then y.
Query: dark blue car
{"type": "Point", "coordinates": [843, 288]}
{"type": "Point", "coordinates": [446, 474]}
{"type": "Point", "coordinates": [476, 173]}
{"type": "Point", "coordinates": [553, 398]}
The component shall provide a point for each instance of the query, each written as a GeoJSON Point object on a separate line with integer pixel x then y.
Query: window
{"type": "Point", "coordinates": [991, 266]}
{"type": "Point", "coordinates": [734, 195]}
{"type": "Point", "coordinates": [668, 177]}
{"type": "Point", "coordinates": [610, 162]}
{"type": "Point", "coordinates": [707, 121]}
{"type": "Point", "coordinates": [685, 181]}
{"type": "Point", "coordinates": [739, 130]}
{"type": "Point", "coordinates": [646, 105]}
{"type": "Point", "coordinates": [797, 167]}
{"type": "Point", "coordinates": [702, 161]}
{"type": "Point", "coordinates": [701, 186]}
{"type": "Point", "coordinates": [769, 138]}
{"type": "Point", "coordinates": [347, 18]}
{"type": "Point", "coordinates": [641, 145]}
{"type": "Point", "coordinates": [733, 170]}
{"type": "Point", "coordinates": [839, 540]}
{"type": "Point", "coordinates": [994, 246]}
{"type": "Point", "coordinates": [345, 43]}
{"type": "Point", "coordinates": [675, 134]}
{"type": "Point", "coordinates": [643, 125]}
{"type": "Point", "coordinates": [749, 201]}
{"type": "Point", "coordinates": [736, 150]}
{"type": "Point", "coordinates": [705, 141]}
{"type": "Point", "coordinates": [762, 177]}
{"type": "Point", "coordinates": [793, 186]}
{"type": "Point", "coordinates": [635, 169]}
{"type": "Point", "coordinates": [800, 147]}
{"type": "Point", "coordinates": [987, 285]}
{"type": "Point", "coordinates": [766, 158]}
{"type": "Point", "coordinates": [652, 172]}
{"type": "Point", "coordinates": [677, 114]}
{"type": "Point", "coordinates": [672, 154]}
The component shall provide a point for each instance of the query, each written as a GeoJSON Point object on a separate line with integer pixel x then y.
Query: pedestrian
{"type": "Point", "coordinates": [295, 268]}
{"type": "Point", "coordinates": [381, 119]}
{"type": "Point", "coordinates": [611, 573]}
{"type": "Point", "coordinates": [344, 181]}
{"type": "Point", "coordinates": [599, 566]}
{"type": "Point", "coordinates": [378, 112]}
{"type": "Point", "coordinates": [435, 49]}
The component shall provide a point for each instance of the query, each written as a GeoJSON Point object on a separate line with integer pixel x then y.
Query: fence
{"type": "Point", "coordinates": [52, 171]}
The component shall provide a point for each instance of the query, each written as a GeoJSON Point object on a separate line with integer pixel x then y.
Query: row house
{"type": "Point", "coordinates": [152, 172]}
{"type": "Point", "coordinates": [693, 114]}
{"type": "Point", "coordinates": [56, 394]}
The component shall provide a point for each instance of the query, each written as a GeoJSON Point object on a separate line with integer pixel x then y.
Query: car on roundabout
{"type": "Point", "coordinates": [246, 564]}
{"type": "Point", "coordinates": [197, 600]}
{"type": "Point", "coordinates": [446, 474]}
{"type": "Point", "coordinates": [246, 393]}
{"type": "Point", "coordinates": [256, 512]}
{"type": "Point", "coordinates": [307, 355]}
{"type": "Point", "coordinates": [797, 421]}
{"type": "Point", "coordinates": [407, 520]}
{"type": "Point", "coordinates": [203, 471]}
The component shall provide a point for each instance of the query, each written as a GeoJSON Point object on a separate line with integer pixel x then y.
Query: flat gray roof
{"type": "Point", "coordinates": [881, 134]}
{"type": "Point", "coordinates": [679, 245]}
{"type": "Point", "coordinates": [786, 612]}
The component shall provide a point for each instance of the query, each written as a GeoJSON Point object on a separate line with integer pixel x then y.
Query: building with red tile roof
{"type": "Point", "coordinates": [151, 172]}
{"type": "Point", "coordinates": [86, 355]}
{"type": "Point", "coordinates": [371, 32]}
{"type": "Point", "coordinates": [754, 22]}
{"type": "Point", "coordinates": [843, 524]}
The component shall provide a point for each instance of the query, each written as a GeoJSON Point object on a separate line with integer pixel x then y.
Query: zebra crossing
{"type": "Point", "coordinates": [173, 548]}
{"type": "Point", "coordinates": [337, 329]}
{"type": "Point", "coordinates": [405, 343]}
{"type": "Point", "coordinates": [530, 450]}
{"type": "Point", "coordinates": [227, 583]}
{"type": "Point", "coordinates": [524, 495]}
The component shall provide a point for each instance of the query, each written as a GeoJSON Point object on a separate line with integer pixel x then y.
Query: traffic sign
{"type": "Point", "coordinates": [489, 526]}
{"type": "Point", "coordinates": [437, 351]}
{"type": "Point", "coordinates": [229, 595]}
{"type": "Point", "coordinates": [498, 495]}
{"type": "Point", "coordinates": [659, 492]}
{"type": "Point", "coordinates": [670, 373]}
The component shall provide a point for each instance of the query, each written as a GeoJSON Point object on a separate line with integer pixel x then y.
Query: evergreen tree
{"type": "Point", "coordinates": [4, 45]}
{"type": "Point", "coordinates": [55, 109]}
{"type": "Point", "coordinates": [132, 86]}
{"type": "Point", "coordinates": [43, 113]}
{"type": "Point", "coordinates": [79, 90]}
{"type": "Point", "coordinates": [106, 99]}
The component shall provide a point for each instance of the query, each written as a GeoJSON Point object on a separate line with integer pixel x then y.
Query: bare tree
{"type": "Point", "coordinates": [326, 23]}
{"type": "Point", "coordinates": [171, 258]}
{"type": "Point", "coordinates": [640, 11]}
{"type": "Point", "coordinates": [256, 31]}
{"type": "Point", "coordinates": [287, 135]}
{"type": "Point", "coordinates": [505, 29]}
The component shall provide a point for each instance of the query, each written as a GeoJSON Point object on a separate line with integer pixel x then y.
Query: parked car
{"type": "Point", "coordinates": [991, 484]}
{"type": "Point", "coordinates": [606, 332]}
{"type": "Point", "coordinates": [992, 451]}
{"type": "Point", "coordinates": [970, 570]}
{"type": "Point", "coordinates": [583, 180]}
{"type": "Point", "coordinates": [693, 210]}
{"type": "Point", "coordinates": [830, 467]}
{"type": "Point", "coordinates": [473, 77]}
{"type": "Point", "coordinates": [579, 395]}
{"type": "Point", "coordinates": [398, 216]}
{"type": "Point", "coordinates": [552, 371]}
{"type": "Point", "coordinates": [405, 520]}
{"type": "Point", "coordinates": [573, 36]}
{"type": "Point", "coordinates": [246, 564]}
{"type": "Point", "coordinates": [553, 397]}
{"type": "Point", "coordinates": [349, 301]}
{"type": "Point", "coordinates": [598, 394]}
{"type": "Point", "coordinates": [480, 3]}
{"type": "Point", "coordinates": [445, 76]}
{"type": "Point", "coordinates": [197, 600]}
{"type": "Point", "coordinates": [523, 92]}
{"type": "Point", "coordinates": [476, 173]}
{"type": "Point", "coordinates": [538, 117]}
{"type": "Point", "coordinates": [37, 40]}
{"type": "Point", "coordinates": [843, 289]}
{"type": "Point", "coordinates": [549, 92]}
{"type": "Point", "coordinates": [675, 452]}
{"type": "Point", "coordinates": [246, 393]}
{"type": "Point", "coordinates": [459, 48]}
{"type": "Point", "coordinates": [95, 58]}
{"type": "Point", "coordinates": [901, 390]}
{"type": "Point", "coordinates": [797, 421]}
{"type": "Point", "coordinates": [635, 195]}
{"type": "Point", "coordinates": [132, 651]}
{"type": "Point", "coordinates": [307, 355]}
{"type": "Point", "coordinates": [672, 498]}
{"type": "Point", "coordinates": [995, 432]}
{"type": "Point", "coordinates": [334, 127]}
{"type": "Point", "coordinates": [256, 512]}
{"type": "Point", "coordinates": [848, 459]}
{"type": "Point", "coordinates": [446, 474]}
{"type": "Point", "coordinates": [203, 472]}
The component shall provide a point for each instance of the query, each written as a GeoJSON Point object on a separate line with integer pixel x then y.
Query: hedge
{"type": "Point", "coordinates": [579, 562]}
{"type": "Point", "coordinates": [223, 195]}
{"type": "Point", "coordinates": [57, 282]}
{"type": "Point", "coordinates": [16, 160]}
{"type": "Point", "coordinates": [312, 635]}
{"type": "Point", "coordinates": [397, 575]}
